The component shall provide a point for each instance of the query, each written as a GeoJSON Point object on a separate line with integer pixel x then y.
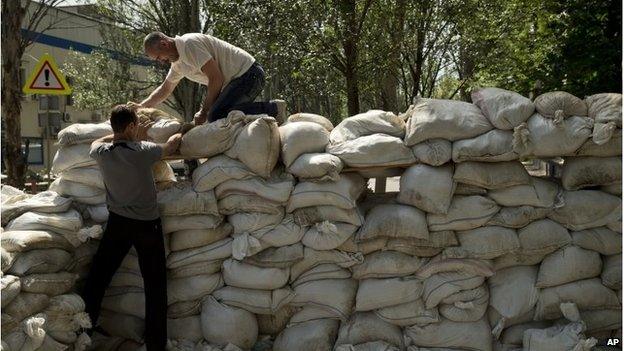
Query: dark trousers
{"type": "Point", "coordinates": [240, 93]}
{"type": "Point", "coordinates": [146, 236]}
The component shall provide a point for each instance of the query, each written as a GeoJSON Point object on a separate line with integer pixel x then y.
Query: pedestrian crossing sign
{"type": "Point", "coordinates": [46, 79]}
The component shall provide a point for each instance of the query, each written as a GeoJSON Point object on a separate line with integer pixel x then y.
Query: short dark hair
{"type": "Point", "coordinates": [121, 117]}
{"type": "Point", "coordinates": [152, 39]}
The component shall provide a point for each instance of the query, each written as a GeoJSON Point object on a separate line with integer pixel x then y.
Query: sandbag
{"type": "Point", "coordinates": [123, 325]}
{"type": "Point", "coordinates": [243, 275]}
{"type": "Point", "coordinates": [334, 296]}
{"type": "Point", "coordinates": [583, 172]}
{"type": "Point", "coordinates": [327, 235]}
{"type": "Point", "coordinates": [79, 133]}
{"type": "Point", "coordinates": [368, 123]}
{"type": "Point", "coordinates": [368, 346]}
{"type": "Point", "coordinates": [218, 250]}
{"type": "Point", "coordinates": [365, 327]}
{"type": "Point", "coordinates": [611, 275]}
{"type": "Point", "coordinates": [72, 156]}
{"type": "Point", "coordinates": [172, 224]}
{"type": "Point", "coordinates": [313, 258]}
{"type": "Point", "coordinates": [222, 324]}
{"type": "Point", "coordinates": [428, 188]}
{"type": "Point", "coordinates": [298, 138]}
{"type": "Point", "coordinates": [466, 305]}
{"type": "Point", "coordinates": [308, 216]}
{"type": "Point", "coordinates": [26, 304]}
{"type": "Point", "coordinates": [311, 117]}
{"type": "Point", "coordinates": [373, 294]}
{"type": "Point", "coordinates": [560, 105]}
{"type": "Point", "coordinates": [25, 240]}
{"type": "Point", "coordinates": [192, 238]}
{"type": "Point", "coordinates": [253, 300]}
{"type": "Point", "coordinates": [192, 288]}
{"type": "Point", "coordinates": [538, 193]}
{"type": "Point", "coordinates": [40, 261]}
{"type": "Point", "coordinates": [385, 264]}
{"type": "Point", "coordinates": [434, 152]}
{"type": "Point", "coordinates": [464, 213]}
{"type": "Point", "coordinates": [484, 243]}
{"type": "Point", "coordinates": [493, 146]}
{"type": "Point", "coordinates": [180, 199]}
{"type": "Point", "coordinates": [447, 119]}
{"type": "Point", "coordinates": [395, 221]}
{"type": "Point", "coordinates": [287, 232]}
{"type": "Point", "coordinates": [605, 108]}
{"type": "Point", "coordinates": [611, 147]}
{"type": "Point", "coordinates": [98, 213]}
{"type": "Point", "coordinates": [90, 176]}
{"type": "Point", "coordinates": [257, 145]}
{"type": "Point", "coordinates": [322, 271]}
{"type": "Point", "coordinates": [46, 201]}
{"type": "Point", "coordinates": [67, 223]}
{"type": "Point", "coordinates": [452, 335]}
{"type": "Point", "coordinates": [50, 284]}
{"type": "Point", "coordinates": [316, 167]}
{"type": "Point", "coordinates": [342, 193]}
{"type": "Point", "coordinates": [78, 192]}
{"type": "Point", "coordinates": [513, 292]}
{"type": "Point", "coordinates": [213, 138]}
{"type": "Point", "coordinates": [503, 108]}
{"type": "Point", "coordinates": [232, 204]}
{"type": "Point", "coordinates": [557, 337]}
{"type": "Point", "coordinates": [250, 222]}
{"type": "Point", "coordinates": [277, 188]}
{"type": "Point", "coordinates": [491, 175]}
{"type": "Point", "coordinates": [543, 137]}
{"type": "Point", "coordinates": [518, 217]}
{"type": "Point", "coordinates": [585, 209]}
{"type": "Point", "coordinates": [10, 286]}
{"type": "Point", "coordinates": [408, 314]}
{"type": "Point", "coordinates": [542, 237]}
{"type": "Point", "coordinates": [217, 170]}
{"type": "Point", "coordinates": [189, 328]}
{"type": "Point", "coordinates": [442, 285]}
{"type": "Point", "coordinates": [373, 150]}
{"type": "Point", "coordinates": [468, 266]}
{"type": "Point", "coordinates": [602, 240]}
{"type": "Point", "coordinates": [125, 300]}
{"type": "Point", "coordinates": [308, 336]}
{"type": "Point", "coordinates": [567, 265]}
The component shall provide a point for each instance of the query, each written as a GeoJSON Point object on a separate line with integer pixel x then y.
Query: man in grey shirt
{"type": "Point", "coordinates": [126, 165]}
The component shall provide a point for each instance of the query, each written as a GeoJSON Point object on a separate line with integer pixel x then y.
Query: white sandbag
{"type": "Point", "coordinates": [368, 123]}
{"type": "Point", "coordinates": [50, 284]}
{"type": "Point", "coordinates": [172, 224]}
{"type": "Point", "coordinates": [543, 237]}
{"type": "Point", "coordinates": [163, 174]}
{"type": "Point", "coordinates": [125, 300]}
{"type": "Point", "coordinates": [611, 275]}
{"type": "Point", "coordinates": [447, 119]}
{"type": "Point", "coordinates": [252, 221]}
{"type": "Point", "coordinates": [188, 328]}
{"type": "Point", "coordinates": [602, 240]}
{"type": "Point", "coordinates": [503, 108]}
{"type": "Point", "coordinates": [322, 271]}
{"type": "Point", "coordinates": [30, 337]}
{"type": "Point", "coordinates": [46, 201]}
{"type": "Point", "coordinates": [98, 213]}
{"type": "Point", "coordinates": [184, 309]}
{"type": "Point", "coordinates": [78, 192]}
{"type": "Point", "coordinates": [192, 288]}
{"type": "Point", "coordinates": [221, 249]}
{"type": "Point", "coordinates": [90, 176]}
{"type": "Point", "coordinates": [213, 138]}
{"type": "Point", "coordinates": [257, 145]}
{"type": "Point", "coordinates": [40, 261]}
{"type": "Point", "coordinates": [253, 300]}
{"type": "Point", "coordinates": [464, 213]}
{"type": "Point", "coordinates": [560, 105]}
{"type": "Point", "coordinates": [601, 320]}
{"type": "Point", "coordinates": [543, 137]}
{"type": "Point", "coordinates": [126, 277]}
{"type": "Point", "coordinates": [342, 193]}
{"type": "Point", "coordinates": [416, 247]}
{"type": "Point", "coordinates": [180, 199]}
{"type": "Point", "coordinates": [222, 324]}
{"type": "Point", "coordinates": [615, 189]}
{"type": "Point", "coordinates": [192, 238]}
{"type": "Point", "coordinates": [79, 133]}
{"type": "Point", "coordinates": [277, 188]}
{"type": "Point", "coordinates": [316, 167]}
{"type": "Point", "coordinates": [373, 150]}
{"type": "Point", "coordinates": [336, 296]}
{"type": "Point", "coordinates": [368, 346]}
{"type": "Point", "coordinates": [365, 327]}
{"type": "Point", "coordinates": [442, 285]}
{"type": "Point", "coordinates": [308, 336]}
{"type": "Point", "coordinates": [327, 235]}
{"type": "Point", "coordinates": [197, 268]}
{"type": "Point", "coordinates": [582, 172]}
{"type": "Point", "coordinates": [493, 146]}
{"type": "Point", "coordinates": [558, 337]}
{"type": "Point", "coordinates": [298, 138]}
{"type": "Point", "coordinates": [311, 117]}
{"type": "Point", "coordinates": [408, 314]}
{"type": "Point", "coordinates": [243, 275]}
{"type": "Point", "coordinates": [395, 221]}
{"type": "Point", "coordinates": [587, 294]}
{"type": "Point", "coordinates": [452, 335]}
{"type": "Point", "coordinates": [385, 264]}
{"type": "Point", "coordinates": [585, 209]}
{"type": "Point", "coordinates": [25, 305]}
{"type": "Point", "coordinates": [538, 193]}
{"type": "Point", "coordinates": [373, 294]}
{"type": "Point", "coordinates": [518, 217]}
{"type": "Point", "coordinates": [72, 156]}
{"type": "Point", "coordinates": [605, 108]}
{"type": "Point", "coordinates": [10, 286]}
{"type": "Point", "coordinates": [428, 188]}
{"type": "Point", "coordinates": [232, 204]}
{"type": "Point", "coordinates": [164, 125]}
{"type": "Point", "coordinates": [611, 147]}
{"type": "Point", "coordinates": [567, 265]}
{"type": "Point", "coordinates": [513, 292]}
{"type": "Point", "coordinates": [26, 240]}
{"type": "Point", "coordinates": [123, 325]}
{"type": "Point", "coordinates": [468, 266]}
{"type": "Point", "coordinates": [313, 258]}
{"type": "Point", "coordinates": [217, 170]}
{"type": "Point", "coordinates": [466, 305]}
{"type": "Point", "coordinates": [484, 243]}
{"type": "Point", "coordinates": [434, 152]}
{"type": "Point", "coordinates": [287, 232]}
{"type": "Point", "coordinates": [308, 216]}
{"type": "Point", "coordinates": [66, 223]}
{"type": "Point", "coordinates": [491, 175]}
{"type": "Point", "coordinates": [364, 247]}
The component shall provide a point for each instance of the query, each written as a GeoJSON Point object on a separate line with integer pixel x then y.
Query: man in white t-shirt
{"type": "Point", "coordinates": [231, 74]}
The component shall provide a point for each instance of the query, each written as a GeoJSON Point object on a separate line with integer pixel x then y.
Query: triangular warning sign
{"type": "Point", "coordinates": [46, 79]}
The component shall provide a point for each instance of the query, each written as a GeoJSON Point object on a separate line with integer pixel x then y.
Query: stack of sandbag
{"type": "Point", "coordinates": [38, 309]}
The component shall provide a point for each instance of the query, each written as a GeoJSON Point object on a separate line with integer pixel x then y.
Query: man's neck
{"type": "Point", "coordinates": [122, 137]}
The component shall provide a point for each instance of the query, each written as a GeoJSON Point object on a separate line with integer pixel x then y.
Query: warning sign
{"type": "Point", "coordinates": [46, 79]}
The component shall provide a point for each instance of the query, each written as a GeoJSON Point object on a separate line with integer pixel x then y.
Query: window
{"type": "Point", "coordinates": [48, 102]}
{"type": "Point", "coordinates": [35, 152]}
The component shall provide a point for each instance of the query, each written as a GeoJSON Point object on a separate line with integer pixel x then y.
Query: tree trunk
{"type": "Point", "coordinates": [12, 14]}
{"type": "Point", "coordinates": [351, 55]}
{"type": "Point", "coordinates": [389, 81]}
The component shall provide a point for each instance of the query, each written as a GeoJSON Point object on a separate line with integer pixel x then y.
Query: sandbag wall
{"type": "Point", "coordinates": [274, 245]}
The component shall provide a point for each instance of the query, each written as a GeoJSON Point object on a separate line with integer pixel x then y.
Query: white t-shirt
{"type": "Point", "coordinates": [195, 49]}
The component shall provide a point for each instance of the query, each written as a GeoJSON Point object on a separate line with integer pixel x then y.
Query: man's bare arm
{"type": "Point", "coordinates": [172, 145]}
{"type": "Point", "coordinates": [215, 83]}
{"type": "Point", "coordinates": [104, 139]}
{"type": "Point", "coordinates": [159, 95]}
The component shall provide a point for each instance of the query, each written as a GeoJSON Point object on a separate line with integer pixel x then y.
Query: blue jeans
{"type": "Point", "coordinates": [240, 93]}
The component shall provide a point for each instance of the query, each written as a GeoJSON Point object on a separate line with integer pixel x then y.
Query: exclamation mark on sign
{"type": "Point", "coordinates": [47, 77]}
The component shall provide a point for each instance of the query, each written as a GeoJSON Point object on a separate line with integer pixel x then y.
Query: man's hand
{"type": "Point", "coordinates": [143, 127]}
{"type": "Point", "coordinates": [200, 118]}
{"type": "Point", "coordinates": [172, 144]}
